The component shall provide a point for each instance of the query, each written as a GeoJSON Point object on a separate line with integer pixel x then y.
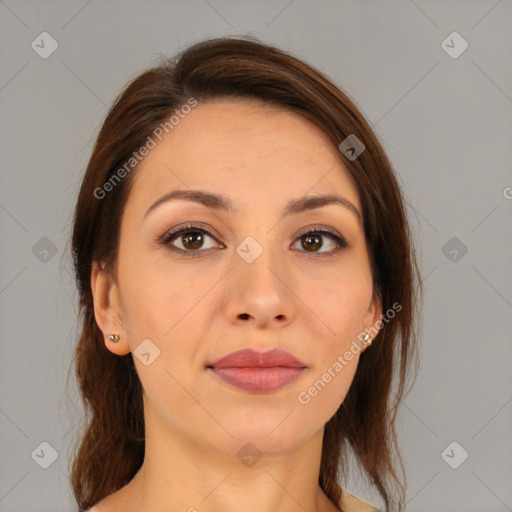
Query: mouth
{"type": "Point", "coordinates": [258, 372]}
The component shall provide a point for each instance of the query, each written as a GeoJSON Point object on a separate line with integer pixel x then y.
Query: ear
{"type": "Point", "coordinates": [373, 315]}
{"type": "Point", "coordinates": [108, 309]}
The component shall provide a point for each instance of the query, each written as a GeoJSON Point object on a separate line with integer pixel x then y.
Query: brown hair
{"type": "Point", "coordinates": [111, 447]}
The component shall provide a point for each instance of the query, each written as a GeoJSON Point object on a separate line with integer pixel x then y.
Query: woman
{"type": "Point", "coordinates": [247, 289]}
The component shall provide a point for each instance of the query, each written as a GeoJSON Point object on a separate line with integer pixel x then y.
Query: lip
{"type": "Point", "coordinates": [258, 372]}
{"type": "Point", "coordinates": [250, 358]}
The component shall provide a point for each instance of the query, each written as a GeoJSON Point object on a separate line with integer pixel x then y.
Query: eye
{"type": "Point", "coordinates": [313, 240]}
{"type": "Point", "coordinates": [190, 237]}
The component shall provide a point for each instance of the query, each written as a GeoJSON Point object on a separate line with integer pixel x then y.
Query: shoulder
{"type": "Point", "coordinates": [352, 504]}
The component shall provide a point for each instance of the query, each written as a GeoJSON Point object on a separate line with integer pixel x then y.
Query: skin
{"type": "Point", "coordinates": [199, 310]}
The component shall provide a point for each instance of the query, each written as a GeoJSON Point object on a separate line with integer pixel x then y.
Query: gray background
{"type": "Point", "coordinates": [446, 125]}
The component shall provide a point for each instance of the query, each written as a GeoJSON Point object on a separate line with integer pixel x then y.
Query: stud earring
{"type": "Point", "coordinates": [113, 337]}
{"type": "Point", "coordinates": [367, 340]}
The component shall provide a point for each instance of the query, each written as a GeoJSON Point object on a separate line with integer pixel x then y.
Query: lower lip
{"type": "Point", "coordinates": [259, 380]}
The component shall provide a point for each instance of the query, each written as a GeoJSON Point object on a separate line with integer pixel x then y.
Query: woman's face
{"type": "Point", "coordinates": [249, 277]}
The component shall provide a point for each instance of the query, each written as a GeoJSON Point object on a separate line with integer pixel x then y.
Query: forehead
{"type": "Point", "coordinates": [244, 149]}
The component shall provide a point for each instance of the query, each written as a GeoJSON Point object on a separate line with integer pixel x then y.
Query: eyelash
{"type": "Point", "coordinates": [191, 228]}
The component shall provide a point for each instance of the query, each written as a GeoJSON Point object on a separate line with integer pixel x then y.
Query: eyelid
{"type": "Point", "coordinates": [318, 228]}
{"type": "Point", "coordinates": [189, 226]}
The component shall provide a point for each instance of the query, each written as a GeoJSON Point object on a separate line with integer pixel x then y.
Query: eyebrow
{"type": "Point", "coordinates": [218, 202]}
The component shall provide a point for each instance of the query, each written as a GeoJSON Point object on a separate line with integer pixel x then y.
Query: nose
{"type": "Point", "coordinates": [259, 293]}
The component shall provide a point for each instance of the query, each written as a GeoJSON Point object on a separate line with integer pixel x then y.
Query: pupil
{"type": "Point", "coordinates": [193, 245]}
{"type": "Point", "coordinates": [316, 244]}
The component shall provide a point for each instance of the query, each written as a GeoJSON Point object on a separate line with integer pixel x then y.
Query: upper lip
{"type": "Point", "coordinates": [250, 358]}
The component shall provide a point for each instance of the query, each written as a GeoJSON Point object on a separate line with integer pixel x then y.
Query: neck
{"type": "Point", "coordinates": [181, 474]}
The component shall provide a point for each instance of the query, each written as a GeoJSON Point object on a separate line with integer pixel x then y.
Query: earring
{"type": "Point", "coordinates": [113, 337]}
{"type": "Point", "coordinates": [367, 340]}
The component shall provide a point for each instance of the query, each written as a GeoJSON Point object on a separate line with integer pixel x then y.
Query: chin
{"type": "Point", "coordinates": [259, 438]}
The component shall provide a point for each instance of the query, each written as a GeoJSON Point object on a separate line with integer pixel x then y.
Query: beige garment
{"type": "Point", "coordinates": [353, 504]}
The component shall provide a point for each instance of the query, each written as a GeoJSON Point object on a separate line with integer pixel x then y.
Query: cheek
{"type": "Point", "coordinates": [342, 306]}
{"type": "Point", "coordinates": [155, 300]}
{"type": "Point", "coordinates": [342, 302]}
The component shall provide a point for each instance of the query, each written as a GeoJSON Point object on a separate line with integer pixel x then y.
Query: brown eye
{"type": "Point", "coordinates": [192, 240]}
{"type": "Point", "coordinates": [312, 242]}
